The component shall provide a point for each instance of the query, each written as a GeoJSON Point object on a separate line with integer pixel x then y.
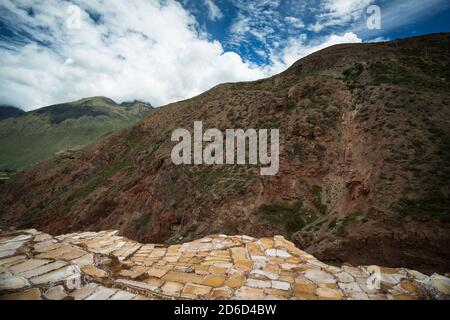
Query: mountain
{"type": "Point", "coordinates": [364, 163]}
{"type": "Point", "coordinates": [9, 112]}
{"type": "Point", "coordinates": [26, 138]}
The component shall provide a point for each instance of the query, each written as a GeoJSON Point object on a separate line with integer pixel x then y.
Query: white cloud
{"type": "Point", "coordinates": [258, 20]}
{"type": "Point", "coordinates": [295, 22]}
{"type": "Point", "coordinates": [339, 13]}
{"type": "Point", "coordinates": [297, 49]}
{"type": "Point", "coordinates": [241, 25]}
{"type": "Point", "coordinates": [316, 27]}
{"type": "Point", "coordinates": [145, 49]}
{"type": "Point", "coordinates": [214, 11]}
{"type": "Point", "coordinates": [140, 50]}
{"type": "Point", "coordinates": [343, 11]}
{"type": "Point", "coordinates": [346, 8]}
{"type": "Point", "coordinates": [377, 39]}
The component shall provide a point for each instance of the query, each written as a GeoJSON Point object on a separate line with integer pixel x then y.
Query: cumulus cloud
{"type": "Point", "coordinates": [144, 49]}
{"type": "Point", "coordinates": [136, 50]}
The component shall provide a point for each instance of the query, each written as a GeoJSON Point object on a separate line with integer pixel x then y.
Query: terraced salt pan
{"type": "Point", "coordinates": [104, 265]}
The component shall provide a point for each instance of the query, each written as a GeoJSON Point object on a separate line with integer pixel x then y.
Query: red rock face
{"type": "Point", "coordinates": [364, 164]}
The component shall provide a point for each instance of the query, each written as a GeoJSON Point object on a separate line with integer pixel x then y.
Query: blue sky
{"type": "Point", "coordinates": [161, 51]}
{"type": "Point", "coordinates": [277, 21]}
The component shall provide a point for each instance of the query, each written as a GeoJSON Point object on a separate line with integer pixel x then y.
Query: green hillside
{"type": "Point", "coordinates": [27, 138]}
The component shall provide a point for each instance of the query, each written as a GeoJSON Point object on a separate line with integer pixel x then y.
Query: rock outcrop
{"type": "Point", "coordinates": [104, 265]}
